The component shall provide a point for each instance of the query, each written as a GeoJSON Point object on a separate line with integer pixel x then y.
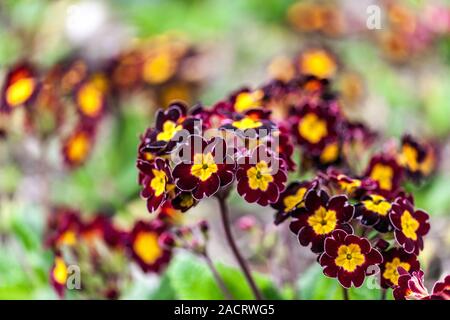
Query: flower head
{"type": "Point", "coordinates": [291, 199]}
{"type": "Point", "coordinates": [348, 257]}
{"type": "Point", "coordinates": [393, 259]}
{"type": "Point", "coordinates": [145, 248]}
{"type": "Point", "coordinates": [319, 217]}
{"type": "Point", "coordinates": [77, 146]}
{"type": "Point", "coordinates": [59, 275]}
{"type": "Point", "coordinates": [418, 159]}
{"type": "Point", "coordinates": [90, 96]}
{"type": "Point", "coordinates": [19, 88]}
{"type": "Point", "coordinates": [156, 180]}
{"type": "Point", "coordinates": [252, 124]}
{"type": "Point", "coordinates": [374, 211]}
{"type": "Point", "coordinates": [204, 168]}
{"type": "Point", "coordinates": [386, 171]}
{"type": "Point", "coordinates": [261, 176]}
{"type": "Point", "coordinates": [410, 225]}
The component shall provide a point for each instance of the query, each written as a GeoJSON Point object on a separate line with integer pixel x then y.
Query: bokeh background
{"type": "Point", "coordinates": [395, 79]}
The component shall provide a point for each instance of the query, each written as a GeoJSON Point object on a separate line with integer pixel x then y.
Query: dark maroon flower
{"type": "Point", "coordinates": [78, 145]}
{"type": "Point", "coordinates": [418, 159]}
{"type": "Point", "coordinates": [410, 286]}
{"type": "Point", "coordinates": [314, 126]}
{"type": "Point", "coordinates": [183, 201]}
{"type": "Point", "coordinates": [90, 96]}
{"type": "Point", "coordinates": [291, 199]}
{"type": "Point", "coordinates": [319, 217]}
{"type": "Point", "coordinates": [410, 225]}
{"type": "Point", "coordinates": [385, 170]}
{"type": "Point", "coordinates": [58, 275]}
{"type": "Point", "coordinates": [20, 87]}
{"type": "Point", "coordinates": [156, 180]}
{"type": "Point", "coordinates": [252, 124]}
{"type": "Point", "coordinates": [348, 257]}
{"type": "Point", "coordinates": [145, 248]}
{"type": "Point", "coordinates": [441, 290]}
{"type": "Point", "coordinates": [352, 187]}
{"type": "Point", "coordinates": [392, 260]}
{"type": "Point", "coordinates": [374, 211]}
{"type": "Point", "coordinates": [64, 228]}
{"type": "Point", "coordinates": [164, 137]}
{"type": "Point", "coordinates": [261, 176]}
{"type": "Point", "coordinates": [205, 167]}
{"type": "Point", "coordinates": [102, 228]}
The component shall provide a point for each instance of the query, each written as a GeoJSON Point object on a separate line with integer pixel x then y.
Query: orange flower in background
{"type": "Point", "coordinates": [90, 96]}
{"type": "Point", "coordinates": [78, 145]}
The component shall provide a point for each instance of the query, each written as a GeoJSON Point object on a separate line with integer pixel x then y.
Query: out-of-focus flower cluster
{"type": "Point", "coordinates": [69, 99]}
{"type": "Point", "coordinates": [102, 248]}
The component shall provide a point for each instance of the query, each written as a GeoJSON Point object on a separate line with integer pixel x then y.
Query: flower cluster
{"type": "Point", "coordinates": [99, 245]}
{"type": "Point", "coordinates": [71, 98]}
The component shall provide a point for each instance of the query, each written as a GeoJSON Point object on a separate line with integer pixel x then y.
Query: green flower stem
{"type": "Point", "coordinates": [345, 293]}
{"type": "Point", "coordinates": [217, 277]}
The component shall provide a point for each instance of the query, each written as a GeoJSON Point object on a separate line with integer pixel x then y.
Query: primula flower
{"type": "Point", "coordinates": [291, 199]}
{"type": "Point", "coordinates": [246, 99]}
{"type": "Point", "coordinates": [183, 201]}
{"type": "Point", "coordinates": [392, 260]}
{"type": "Point", "coordinates": [19, 88]}
{"type": "Point", "coordinates": [58, 275]}
{"type": "Point", "coordinates": [156, 180]}
{"type": "Point", "coordinates": [419, 160]}
{"type": "Point", "coordinates": [161, 139]}
{"type": "Point", "coordinates": [317, 62]}
{"type": "Point", "coordinates": [64, 228]}
{"type": "Point", "coordinates": [252, 124]}
{"type": "Point", "coordinates": [205, 168]}
{"type": "Point", "coordinates": [348, 257]}
{"type": "Point", "coordinates": [90, 96]}
{"type": "Point", "coordinates": [261, 176]}
{"type": "Point", "coordinates": [145, 247]}
{"type": "Point", "coordinates": [77, 146]}
{"type": "Point", "coordinates": [102, 228]}
{"type": "Point", "coordinates": [314, 126]}
{"type": "Point", "coordinates": [125, 70]}
{"type": "Point", "coordinates": [410, 225]}
{"type": "Point", "coordinates": [284, 147]}
{"type": "Point", "coordinates": [411, 287]}
{"type": "Point", "coordinates": [352, 187]}
{"type": "Point", "coordinates": [319, 217]}
{"type": "Point", "coordinates": [159, 66]}
{"type": "Point", "coordinates": [374, 211]}
{"type": "Point", "coordinates": [386, 171]}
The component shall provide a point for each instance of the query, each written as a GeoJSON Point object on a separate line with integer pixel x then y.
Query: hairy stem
{"type": "Point", "coordinates": [217, 277]}
{"type": "Point", "coordinates": [228, 234]}
{"type": "Point", "coordinates": [345, 293]}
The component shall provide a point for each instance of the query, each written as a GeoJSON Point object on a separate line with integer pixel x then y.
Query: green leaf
{"type": "Point", "coordinates": [314, 285]}
{"type": "Point", "coordinates": [191, 279]}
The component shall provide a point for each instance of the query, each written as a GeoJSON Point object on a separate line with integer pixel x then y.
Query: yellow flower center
{"type": "Point", "coordinates": [292, 201]}
{"type": "Point", "coordinates": [409, 225]}
{"type": "Point", "coordinates": [318, 63]}
{"type": "Point", "coordinates": [90, 99]}
{"type": "Point", "coordinates": [60, 271]}
{"type": "Point", "coordinates": [383, 175]}
{"type": "Point", "coordinates": [330, 153]}
{"type": "Point", "coordinates": [160, 68]}
{"type": "Point", "coordinates": [18, 92]}
{"type": "Point", "coordinates": [323, 221]}
{"type": "Point", "coordinates": [158, 183]}
{"type": "Point", "coordinates": [78, 147]}
{"type": "Point", "coordinates": [170, 128]}
{"type": "Point", "coordinates": [349, 257]}
{"type": "Point", "coordinates": [391, 272]}
{"type": "Point", "coordinates": [247, 123]}
{"type": "Point", "coordinates": [259, 176]}
{"type": "Point", "coordinates": [146, 246]}
{"type": "Point", "coordinates": [186, 201]}
{"type": "Point", "coordinates": [204, 166]}
{"type": "Point", "coordinates": [248, 100]}
{"type": "Point", "coordinates": [67, 238]}
{"type": "Point", "coordinates": [312, 128]}
{"type": "Point", "coordinates": [409, 157]}
{"type": "Point", "coordinates": [377, 204]}
{"type": "Point", "coordinates": [349, 187]}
